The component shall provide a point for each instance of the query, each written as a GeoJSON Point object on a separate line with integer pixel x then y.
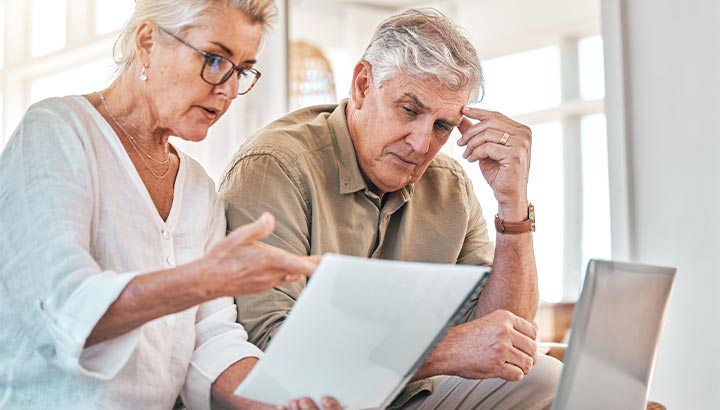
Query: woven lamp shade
{"type": "Point", "coordinates": [311, 76]}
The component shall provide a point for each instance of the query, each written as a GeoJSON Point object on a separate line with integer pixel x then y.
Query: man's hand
{"type": "Point", "coordinates": [504, 161]}
{"type": "Point", "coordinates": [499, 344]}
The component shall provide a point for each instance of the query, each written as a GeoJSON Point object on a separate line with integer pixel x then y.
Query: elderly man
{"type": "Point", "coordinates": [366, 178]}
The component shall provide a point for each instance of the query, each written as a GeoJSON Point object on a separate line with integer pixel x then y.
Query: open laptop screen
{"type": "Point", "coordinates": [615, 332]}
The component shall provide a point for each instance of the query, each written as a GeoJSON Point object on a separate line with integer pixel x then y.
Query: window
{"type": "Point", "coordinates": [63, 47]}
{"type": "Point", "coordinates": [2, 35]}
{"type": "Point", "coordinates": [111, 15]}
{"type": "Point", "coordinates": [592, 73]}
{"type": "Point", "coordinates": [77, 80]}
{"type": "Point", "coordinates": [523, 82]}
{"type": "Point", "coordinates": [596, 193]}
{"type": "Point", "coordinates": [55, 57]}
{"type": "Point", "coordinates": [48, 26]}
{"type": "Point", "coordinates": [569, 173]}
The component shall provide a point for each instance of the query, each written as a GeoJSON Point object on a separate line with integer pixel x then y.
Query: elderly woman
{"type": "Point", "coordinates": [114, 265]}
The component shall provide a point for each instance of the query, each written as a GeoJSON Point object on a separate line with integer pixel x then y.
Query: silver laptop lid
{"type": "Point", "coordinates": [615, 333]}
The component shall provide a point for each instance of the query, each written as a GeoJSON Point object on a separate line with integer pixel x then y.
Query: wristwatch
{"type": "Point", "coordinates": [528, 225]}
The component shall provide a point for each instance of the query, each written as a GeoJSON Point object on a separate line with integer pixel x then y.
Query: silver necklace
{"type": "Point", "coordinates": [137, 147]}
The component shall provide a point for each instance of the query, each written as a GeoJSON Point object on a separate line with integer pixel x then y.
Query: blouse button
{"type": "Point", "coordinates": [171, 261]}
{"type": "Point", "coordinates": [165, 234]}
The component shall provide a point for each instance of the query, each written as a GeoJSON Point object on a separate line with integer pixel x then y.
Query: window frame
{"type": "Point", "coordinates": [20, 68]}
{"type": "Point", "coordinates": [569, 114]}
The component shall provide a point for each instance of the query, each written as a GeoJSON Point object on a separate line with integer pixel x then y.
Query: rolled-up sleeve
{"type": "Point", "coordinates": [54, 290]}
{"type": "Point", "coordinates": [220, 342]}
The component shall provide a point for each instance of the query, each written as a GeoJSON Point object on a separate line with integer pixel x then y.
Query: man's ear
{"type": "Point", "coordinates": [145, 39]}
{"type": "Point", "coordinates": [361, 82]}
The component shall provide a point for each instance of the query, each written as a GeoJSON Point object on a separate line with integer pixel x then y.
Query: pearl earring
{"type": "Point", "coordinates": [143, 75]}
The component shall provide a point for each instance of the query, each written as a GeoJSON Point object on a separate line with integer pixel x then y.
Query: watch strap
{"type": "Point", "coordinates": [528, 225]}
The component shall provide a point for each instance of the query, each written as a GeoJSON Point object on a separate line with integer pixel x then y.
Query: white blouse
{"type": "Point", "coordinates": [76, 225]}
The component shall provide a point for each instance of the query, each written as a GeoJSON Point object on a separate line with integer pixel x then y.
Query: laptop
{"type": "Point", "coordinates": [615, 332]}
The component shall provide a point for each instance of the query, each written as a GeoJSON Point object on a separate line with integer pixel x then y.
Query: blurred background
{"type": "Point", "coordinates": [622, 96]}
{"type": "Point", "coordinates": [543, 64]}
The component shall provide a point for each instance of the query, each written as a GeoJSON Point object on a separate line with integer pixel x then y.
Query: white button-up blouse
{"type": "Point", "coordinates": [76, 225]}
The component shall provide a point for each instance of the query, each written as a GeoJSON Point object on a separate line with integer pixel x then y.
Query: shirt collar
{"type": "Point", "coordinates": [351, 179]}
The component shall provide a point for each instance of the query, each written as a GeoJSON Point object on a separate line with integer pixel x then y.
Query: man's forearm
{"type": "Point", "coordinates": [513, 283]}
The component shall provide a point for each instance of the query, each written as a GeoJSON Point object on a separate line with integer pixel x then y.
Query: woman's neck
{"type": "Point", "coordinates": [129, 108]}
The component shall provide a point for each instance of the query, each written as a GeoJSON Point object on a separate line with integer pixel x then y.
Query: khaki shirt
{"type": "Point", "coordinates": [302, 168]}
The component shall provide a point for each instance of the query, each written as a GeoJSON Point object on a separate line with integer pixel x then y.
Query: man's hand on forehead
{"type": "Point", "coordinates": [501, 146]}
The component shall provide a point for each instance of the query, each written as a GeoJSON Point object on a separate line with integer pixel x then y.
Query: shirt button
{"type": "Point", "coordinates": [165, 234]}
{"type": "Point", "coordinates": [171, 261]}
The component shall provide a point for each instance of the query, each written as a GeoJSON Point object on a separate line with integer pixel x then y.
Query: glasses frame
{"type": "Point", "coordinates": [227, 75]}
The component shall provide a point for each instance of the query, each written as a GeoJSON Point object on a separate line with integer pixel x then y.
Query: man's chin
{"type": "Point", "coordinates": [392, 186]}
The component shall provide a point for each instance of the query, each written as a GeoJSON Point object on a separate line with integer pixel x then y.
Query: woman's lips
{"type": "Point", "coordinates": [210, 113]}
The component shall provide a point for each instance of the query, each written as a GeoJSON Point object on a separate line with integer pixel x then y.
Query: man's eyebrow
{"type": "Point", "coordinates": [422, 106]}
{"type": "Point", "coordinates": [451, 123]}
{"type": "Point", "coordinates": [415, 100]}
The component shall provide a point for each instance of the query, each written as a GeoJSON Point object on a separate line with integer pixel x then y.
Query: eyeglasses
{"type": "Point", "coordinates": [217, 69]}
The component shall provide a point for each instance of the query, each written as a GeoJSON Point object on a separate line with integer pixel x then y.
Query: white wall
{"type": "Point", "coordinates": [534, 23]}
{"type": "Point", "coordinates": [670, 65]}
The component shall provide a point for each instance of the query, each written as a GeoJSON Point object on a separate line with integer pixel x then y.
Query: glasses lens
{"type": "Point", "coordinates": [246, 80]}
{"type": "Point", "coordinates": [217, 69]}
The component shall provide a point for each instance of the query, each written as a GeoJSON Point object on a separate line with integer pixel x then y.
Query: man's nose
{"type": "Point", "coordinates": [419, 139]}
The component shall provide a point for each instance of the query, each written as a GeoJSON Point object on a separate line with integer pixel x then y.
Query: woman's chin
{"type": "Point", "coordinates": [195, 136]}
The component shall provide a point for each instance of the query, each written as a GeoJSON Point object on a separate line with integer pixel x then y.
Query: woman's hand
{"type": "Point", "coordinates": [328, 403]}
{"type": "Point", "coordinates": [239, 264]}
{"type": "Point", "coordinates": [224, 386]}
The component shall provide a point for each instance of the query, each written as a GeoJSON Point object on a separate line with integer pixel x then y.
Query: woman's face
{"type": "Point", "coordinates": [182, 103]}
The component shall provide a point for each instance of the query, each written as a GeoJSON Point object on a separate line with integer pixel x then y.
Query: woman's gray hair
{"type": "Point", "coordinates": [424, 42]}
{"type": "Point", "coordinates": [177, 16]}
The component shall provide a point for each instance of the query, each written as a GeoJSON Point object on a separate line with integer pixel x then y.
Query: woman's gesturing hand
{"type": "Point", "coordinates": [240, 264]}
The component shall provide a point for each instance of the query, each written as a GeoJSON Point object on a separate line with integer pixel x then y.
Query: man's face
{"type": "Point", "coordinates": [400, 127]}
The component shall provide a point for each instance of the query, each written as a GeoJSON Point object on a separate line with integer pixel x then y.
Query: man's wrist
{"type": "Point", "coordinates": [514, 211]}
{"type": "Point", "coordinates": [526, 225]}
{"type": "Point", "coordinates": [440, 359]}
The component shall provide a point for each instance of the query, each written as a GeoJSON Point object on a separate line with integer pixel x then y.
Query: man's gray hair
{"type": "Point", "coordinates": [176, 16]}
{"type": "Point", "coordinates": [424, 42]}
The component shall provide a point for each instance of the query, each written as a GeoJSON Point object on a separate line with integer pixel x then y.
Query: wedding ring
{"type": "Point", "coordinates": [504, 139]}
